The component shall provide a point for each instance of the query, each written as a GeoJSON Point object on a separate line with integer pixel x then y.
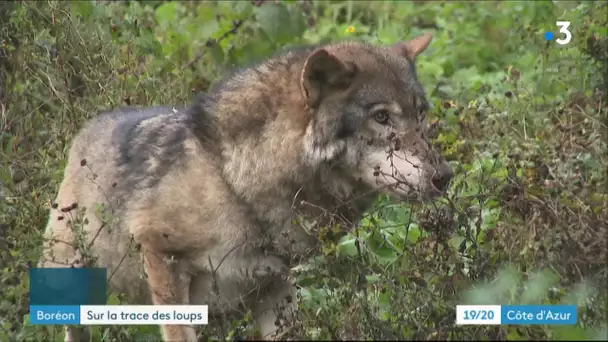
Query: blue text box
{"type": "Point", "coordinates": [68, 286]}
{"type": "Point", "coordinates": [54, 314]}
{"type": "Point", "coordinates": [538, 314]}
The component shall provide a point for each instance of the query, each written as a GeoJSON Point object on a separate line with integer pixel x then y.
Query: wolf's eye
{"type": "Point", "coordinates": [381, 117]}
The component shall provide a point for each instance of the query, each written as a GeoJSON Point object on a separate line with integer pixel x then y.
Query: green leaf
{"type": "Point", "coordinates": [209, 29]}
{"type": "Point", "coordinates": [275, 21]}
{"type": "Point", "coordinates": [386, 255]}
{"type": "Point", "coordinates": [206, 12]}
{"type": "Point", "coordinates": [217, 54]}
{"type": "Point", "coordinates": [348, 247]}
{"type": "Point", "coordinates": [113, 299]}
{"type": "Point", "coordinates": [413, 233]}
{"type": "Point", "coordinates": [243, 9]}
{"type": "Point", "coordinates": [166, 13]}
{"type": "Point", "coordinates": [26, 319]}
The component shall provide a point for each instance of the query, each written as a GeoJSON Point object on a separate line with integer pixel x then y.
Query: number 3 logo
{"type": "Point", "coordinates": [563, 28]}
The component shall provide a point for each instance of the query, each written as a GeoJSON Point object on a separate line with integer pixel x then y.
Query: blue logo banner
{"type": "Point", "coordinates": [538, 314]}
{"type": "Point", "coordinates": [54, 314]}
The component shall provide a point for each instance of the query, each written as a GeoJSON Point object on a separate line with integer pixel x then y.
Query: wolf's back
{"type": "Point", "coordinates": [104, 157]}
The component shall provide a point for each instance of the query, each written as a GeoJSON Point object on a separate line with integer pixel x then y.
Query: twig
{"type": "Point", "coordinates": [236, 24]}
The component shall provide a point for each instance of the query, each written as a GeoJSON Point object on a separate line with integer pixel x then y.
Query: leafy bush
{"type": "Point", "coordinates": [522, 120]}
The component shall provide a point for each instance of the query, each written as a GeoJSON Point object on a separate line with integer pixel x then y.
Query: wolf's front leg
{"type": "Point", "coordinates": [169, 284]}
{"type": "Point", "coordinates": [244, 260]}
{"type": "Point", "coordinates": [275, 308]}
{"type": "Point", "coordinates": [76, 334]}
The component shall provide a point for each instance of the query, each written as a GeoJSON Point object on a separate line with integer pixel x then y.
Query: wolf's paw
{"type": "Point", "coordinates": [270, 266]}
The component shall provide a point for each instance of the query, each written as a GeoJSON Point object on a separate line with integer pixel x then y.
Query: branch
{"type": "Point", "coordinates": [236, 24]}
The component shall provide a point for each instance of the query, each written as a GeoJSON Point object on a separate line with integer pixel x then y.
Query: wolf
{"type": "Point", "coordinates": [212, 203]}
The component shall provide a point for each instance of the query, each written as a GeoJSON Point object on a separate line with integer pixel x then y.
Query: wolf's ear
{"type": "Point", "coordinates": [412, 48]}
{"type": "Point", "coordinates": [324, 73]}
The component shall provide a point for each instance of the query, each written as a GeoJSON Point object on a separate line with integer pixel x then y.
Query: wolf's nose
{"type": "Point", "coordinates": [443, 176]}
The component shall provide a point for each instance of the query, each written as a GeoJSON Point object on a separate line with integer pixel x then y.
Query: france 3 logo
{"type": "Point", "coordinates": [564, 30]}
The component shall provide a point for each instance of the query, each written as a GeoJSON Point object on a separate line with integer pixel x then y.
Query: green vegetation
{"type": "Point", "coordinates": [523, 120]}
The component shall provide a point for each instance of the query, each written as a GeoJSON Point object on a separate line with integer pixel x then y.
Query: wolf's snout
{"type": "Point", "coordinates": [443, 176]}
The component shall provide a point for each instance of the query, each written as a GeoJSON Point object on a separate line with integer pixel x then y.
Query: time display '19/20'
{"type": "Point", "coordinates": [478, 314]}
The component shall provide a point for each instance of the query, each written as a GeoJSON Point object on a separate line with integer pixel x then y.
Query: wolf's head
{"type": "Point", "coordinates": [369, 118]}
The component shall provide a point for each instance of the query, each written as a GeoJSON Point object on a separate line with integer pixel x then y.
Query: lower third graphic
{"type": "Point", "coordinates": [515, 314]}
